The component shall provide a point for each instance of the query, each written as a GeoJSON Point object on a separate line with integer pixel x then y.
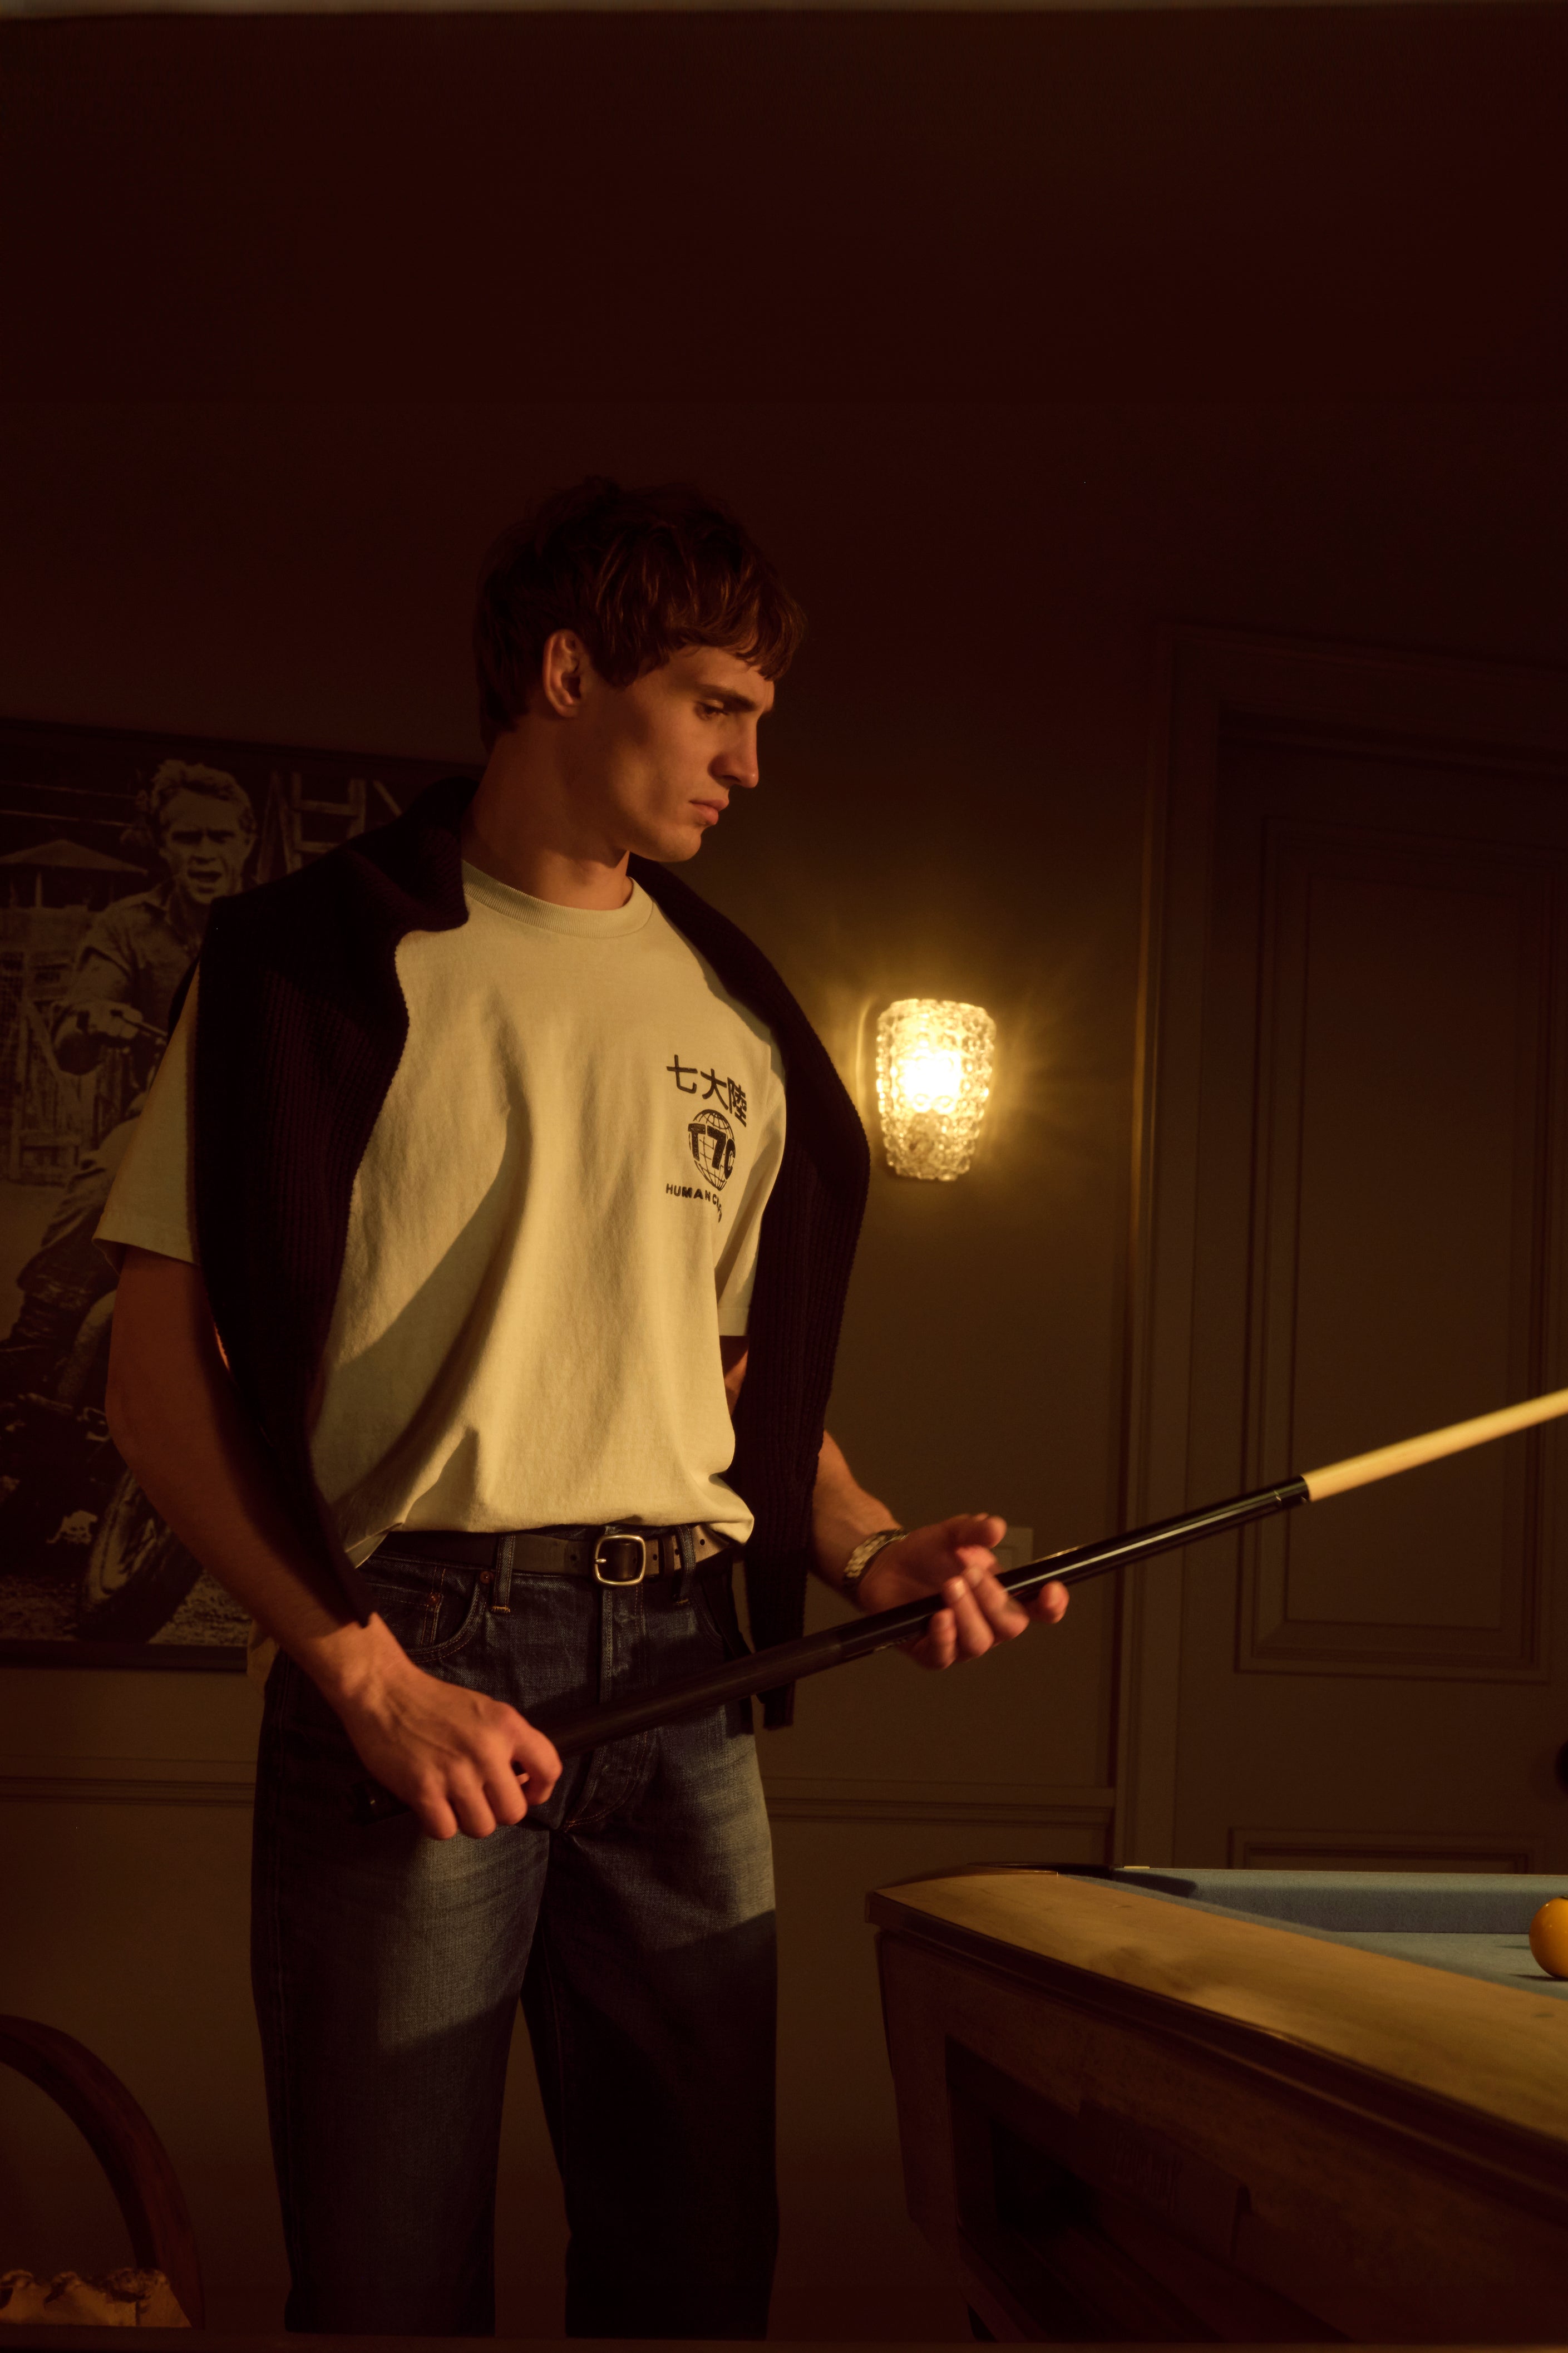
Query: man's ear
{"type": "Point", "coordinates": [563, 674]}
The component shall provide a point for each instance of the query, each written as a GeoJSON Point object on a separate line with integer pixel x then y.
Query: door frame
{"type": "Point", "coordinates": [1430, 702]}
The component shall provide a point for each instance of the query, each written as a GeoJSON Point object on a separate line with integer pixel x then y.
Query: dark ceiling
{"type": "Point", "coordinates": [1243, 205]}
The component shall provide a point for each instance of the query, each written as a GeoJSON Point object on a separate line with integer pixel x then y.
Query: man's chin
{"type": "Point", "coordinates": [671, 845]}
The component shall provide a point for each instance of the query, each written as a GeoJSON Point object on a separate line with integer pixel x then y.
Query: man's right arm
{"type": "Point", "coordinates": [176, 1420]}
{"type": "Point", "coordinates": [100, 1007]}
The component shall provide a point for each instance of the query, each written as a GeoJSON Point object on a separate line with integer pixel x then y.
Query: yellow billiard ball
{"type": "Point", "coordinates": [1548, 1936]}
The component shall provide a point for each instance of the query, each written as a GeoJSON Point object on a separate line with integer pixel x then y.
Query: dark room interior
{"type": "Point", "coordinates": [1161, 416]}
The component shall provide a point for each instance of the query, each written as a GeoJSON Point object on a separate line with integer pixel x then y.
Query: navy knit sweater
{"type": "Point", "coordinates": [300, 1028]}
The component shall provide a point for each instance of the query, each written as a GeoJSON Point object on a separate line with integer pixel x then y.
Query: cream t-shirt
{"type": "Point", "coordinates": [555, 1218]}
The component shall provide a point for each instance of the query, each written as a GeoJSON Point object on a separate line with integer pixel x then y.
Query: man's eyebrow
{"type": "Point", "coordinates": [728, 699]}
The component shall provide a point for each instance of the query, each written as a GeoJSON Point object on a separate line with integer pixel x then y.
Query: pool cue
{"type": "Point", "coordinates": [859, 1638]}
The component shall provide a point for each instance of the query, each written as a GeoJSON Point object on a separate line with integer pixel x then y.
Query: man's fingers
{"type": "Point", "coordinates": [435, 1816]}
{"type": "Point", "coordinates": [987, 1612]}
{"type": "Point", "coordinates": [505, 1794]}
{"type": "Point", "coordinates": [504, 1787]}
{"type": "Point", "coordinates": [524, 1776]}
{"type": "Point", "coordinates": [493, 1789]}
{"type": "Point", "coordinates": [964, 1627]}
{"type": "Point", "coordinates": [466, 1802]}
{"type": "Point", "coordinates": [470, 1802]}
{"type": "Point", "coordinates": [984, 1612]}
{"type": "Point", "coordinates": [535, 1756]}
{"type": "Point", "coordinates": [1005, 1615]}
{"type": "Point", "coordinates": [973, 1629]}
{"type": "Point", "coordinates": [112, 1020]}
{"type": "Point", "coordinates": [938, 1646]}
{"type": "Point", "coordinates": [977, 1611]}
{"type": "Point", "coordinates": [977, 1528]}
{"type": "Point", "coordinates": [489, 1781]}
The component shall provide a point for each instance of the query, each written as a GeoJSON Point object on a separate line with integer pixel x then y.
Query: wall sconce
{"type": "Point", "coordinates": [933, 1081]}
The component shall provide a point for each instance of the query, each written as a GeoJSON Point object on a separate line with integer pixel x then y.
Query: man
{"type": "Point", "coordinates": [132, 958]}
{"type": "Point", "coordinates": [516, 1169]}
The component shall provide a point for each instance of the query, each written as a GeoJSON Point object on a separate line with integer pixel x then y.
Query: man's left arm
{"type": "Point", "coordinates": [950, 1557]}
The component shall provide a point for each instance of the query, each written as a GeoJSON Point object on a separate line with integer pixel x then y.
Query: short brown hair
{"type": "Point", "coordinates": [175, 776]}
{"type": "Point", "coordinates": [638, 575]}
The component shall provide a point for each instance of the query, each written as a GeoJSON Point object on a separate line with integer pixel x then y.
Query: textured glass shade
{"type": "Point", "coordinates": [933, 1081]}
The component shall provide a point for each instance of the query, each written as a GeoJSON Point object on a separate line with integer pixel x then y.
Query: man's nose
{"type": "Point", "coordinates": [738, 764]}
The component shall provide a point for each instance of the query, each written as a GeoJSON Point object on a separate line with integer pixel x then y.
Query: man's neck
{"type": "Point", "coordinates": [188, 916]}
{"type": "Point", "coordinates": [519, 828]}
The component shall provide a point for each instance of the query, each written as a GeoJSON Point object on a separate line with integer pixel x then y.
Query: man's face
{"type": "Point", "coordinates": [656, 762]}
{"type": "Point", "coordinates": [204, 845]}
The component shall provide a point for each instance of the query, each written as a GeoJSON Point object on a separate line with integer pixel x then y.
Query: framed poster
{"type": "Point", "coordinates": [113, 848]}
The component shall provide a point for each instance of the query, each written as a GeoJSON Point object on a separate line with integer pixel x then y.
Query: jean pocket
{"type": "Point", "coordinates": [433, 1607]}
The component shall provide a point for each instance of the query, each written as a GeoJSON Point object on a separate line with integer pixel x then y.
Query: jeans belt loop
{"type": "Point", "coordinates": [686, 1541]}
{"type": "Point", "coordinates": [500, 1599]}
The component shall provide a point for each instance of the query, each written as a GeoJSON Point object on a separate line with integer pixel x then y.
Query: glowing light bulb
{"type": "Point", "coordinates": [933, 1081]}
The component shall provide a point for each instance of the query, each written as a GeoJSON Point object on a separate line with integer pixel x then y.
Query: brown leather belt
{"type": "Point", "coordinates": [612, 1556]}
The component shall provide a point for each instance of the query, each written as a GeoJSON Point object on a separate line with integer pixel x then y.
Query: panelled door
{"type": "Point", "coordinates": [1374, 1145]}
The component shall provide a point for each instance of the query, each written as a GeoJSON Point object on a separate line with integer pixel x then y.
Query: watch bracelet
{"type": "Point", "coordinates": [860, 1559]}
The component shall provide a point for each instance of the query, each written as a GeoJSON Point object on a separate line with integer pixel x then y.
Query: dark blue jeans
{"type": "Point", "coordinates": [634, 1917]}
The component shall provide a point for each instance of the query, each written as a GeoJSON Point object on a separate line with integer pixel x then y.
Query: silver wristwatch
{"type": "Point", "coordinates": [864, 1554]}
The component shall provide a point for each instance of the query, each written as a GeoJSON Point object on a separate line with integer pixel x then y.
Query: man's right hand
{"type": "Point", "coordinates": [101, 1017]}
{"type": "Point", "coordinates": [174, 1416]}
{"type": "Point", "coordinates": [447, 1752]}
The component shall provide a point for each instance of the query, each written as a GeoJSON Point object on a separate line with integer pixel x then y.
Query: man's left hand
{"type": "Point", "coordinates": [954, 1559]}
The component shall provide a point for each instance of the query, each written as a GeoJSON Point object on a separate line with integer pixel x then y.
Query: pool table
{"type": "Point", "coordinates": [1251, 2106]}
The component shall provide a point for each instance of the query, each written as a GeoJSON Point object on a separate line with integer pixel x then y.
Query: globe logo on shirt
{"type": "Point", "coordinates": [712, 1141]}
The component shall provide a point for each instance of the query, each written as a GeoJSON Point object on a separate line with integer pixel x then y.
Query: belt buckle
{"type": "Point", "coordinates": [619, 1537]}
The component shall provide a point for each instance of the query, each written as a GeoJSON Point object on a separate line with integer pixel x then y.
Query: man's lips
{"type": "Point", "coordinates": [712, 810]}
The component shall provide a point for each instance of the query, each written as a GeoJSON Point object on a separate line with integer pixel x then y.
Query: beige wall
{"type": "Point", "coordinates": [952, 805]}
